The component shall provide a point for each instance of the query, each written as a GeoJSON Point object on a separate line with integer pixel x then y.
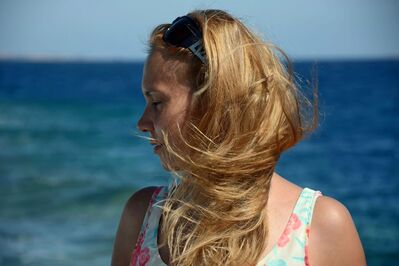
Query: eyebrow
{"type": "Point", "coordinates": [149, 92]}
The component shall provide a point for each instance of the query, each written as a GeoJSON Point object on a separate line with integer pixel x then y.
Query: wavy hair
{"type": "Point", "coordinates": [246, 110]}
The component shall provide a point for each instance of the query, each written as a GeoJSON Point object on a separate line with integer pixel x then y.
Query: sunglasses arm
{"type": "Point", "coordinates": [198, 50]}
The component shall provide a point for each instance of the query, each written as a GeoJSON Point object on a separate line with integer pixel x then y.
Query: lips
{"type": "Point", "coordinates": [157, 147]}
{"type": "Point", "coordinates": [157, 144]}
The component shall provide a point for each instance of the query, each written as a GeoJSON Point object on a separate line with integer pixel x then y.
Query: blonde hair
{"type": "Point", "coordinates": [245, 111]}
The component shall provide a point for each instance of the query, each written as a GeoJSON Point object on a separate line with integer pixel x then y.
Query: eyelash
{"type": "Point", "coordinates": [155, 104]}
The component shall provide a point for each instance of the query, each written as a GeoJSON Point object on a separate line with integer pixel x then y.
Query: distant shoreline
{"type": "Point", "coordinates": [68, 60]}
{"type": "Point", "coordinates": [62, 59]}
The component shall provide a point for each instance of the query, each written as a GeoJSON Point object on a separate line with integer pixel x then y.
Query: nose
{"type": "Point", "coordinates": [145, 122]}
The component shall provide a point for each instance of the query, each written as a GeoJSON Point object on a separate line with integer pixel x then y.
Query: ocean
{"type": "Point", "coordinates": [70, 157]}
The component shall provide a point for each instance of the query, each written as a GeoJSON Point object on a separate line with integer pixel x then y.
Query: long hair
{"type": "Point", "coordinates": [246, 110]}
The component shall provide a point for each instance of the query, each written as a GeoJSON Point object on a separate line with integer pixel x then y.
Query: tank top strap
{"type": "Point", "coordinates": [154, 211]}
{"type": "Point", "coordinates": [146, 250]}
{"type": "Point", "coordinates": [305, 204]}
{"type": "Point", "coordinates": [292, 245]}
{"type": "Point", "coordinates": [300, 238]}
{"type": "Point", "coordinates": [149, 211]}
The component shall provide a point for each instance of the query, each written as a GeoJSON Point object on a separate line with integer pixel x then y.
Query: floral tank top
{"type": "Point", "coordinates": [290, 249]}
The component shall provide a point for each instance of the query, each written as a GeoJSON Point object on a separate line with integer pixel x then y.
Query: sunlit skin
{"type": "Point", "coordinates": [167, 92]}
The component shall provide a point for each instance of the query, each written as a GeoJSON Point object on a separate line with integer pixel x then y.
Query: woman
{"type": "Point", "coordinates": [221, 108]}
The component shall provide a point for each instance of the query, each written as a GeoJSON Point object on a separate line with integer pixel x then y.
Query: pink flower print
{"type": "Point", "coordinates": [283, 240]}
{"type": "Point", "coordinates": [293, 224]}
{"type": "Point", "coordinates": [307, 246]}
{"type": "Point", "coordinates": [144, 256]}
{"type": "Point", "coordinates": [135, 254]}
{"type": "Point", "coordinates": [137, 250]}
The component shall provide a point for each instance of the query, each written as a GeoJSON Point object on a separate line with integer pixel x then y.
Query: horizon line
{"type": "Point", "coordinates": [106, 59]}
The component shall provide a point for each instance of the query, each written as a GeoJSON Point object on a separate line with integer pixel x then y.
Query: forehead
{"type": "Point", "coordinates": [165, 74]}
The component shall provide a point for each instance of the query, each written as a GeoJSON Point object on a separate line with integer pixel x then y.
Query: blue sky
{"type": "Point", "coordinates": [118, 29]}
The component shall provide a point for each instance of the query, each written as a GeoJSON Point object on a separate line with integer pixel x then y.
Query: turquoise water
{"type": "Point", "coordinates": [66, 171]}
{"type": "Point", "coordinates": [69, 157]}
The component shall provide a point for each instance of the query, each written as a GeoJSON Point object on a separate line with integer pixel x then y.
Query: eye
{"type": "Point", "coordinates": [155, 104]}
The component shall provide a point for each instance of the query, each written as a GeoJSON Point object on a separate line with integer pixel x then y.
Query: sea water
{"type": "Point", "coordinates": [70, 156]}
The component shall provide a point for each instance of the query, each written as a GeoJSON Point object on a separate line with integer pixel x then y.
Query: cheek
{"type": "Point", "coordinates": [169, 122]}
{"type": "Point", "coordinates": [171, 117]}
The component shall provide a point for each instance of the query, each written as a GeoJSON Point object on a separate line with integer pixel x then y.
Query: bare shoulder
{"type": "Point", "coordinates": [129, 225]}
{"type": "Point", "coordinates": [333, 238]}
{"type": "Point", "coordinates": [138, 202]}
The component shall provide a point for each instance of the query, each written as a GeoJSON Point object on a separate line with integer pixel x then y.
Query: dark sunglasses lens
{"type": "Point", "coordinates": [181, 33]}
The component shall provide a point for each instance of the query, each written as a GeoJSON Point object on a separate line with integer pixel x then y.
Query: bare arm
{"type": "Point", "coordinates": [129, 226]}
{"type": "Point", "coordinates": [333, 238]}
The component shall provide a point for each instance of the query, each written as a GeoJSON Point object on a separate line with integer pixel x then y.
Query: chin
{"type": "Point", "coordinates": [167, 161]}
{"type": "Point", "coordinates": [169, 166]}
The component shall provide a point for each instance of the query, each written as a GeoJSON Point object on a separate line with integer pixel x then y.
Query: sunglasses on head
{"type": "Point", "coordinates": [185, 32]}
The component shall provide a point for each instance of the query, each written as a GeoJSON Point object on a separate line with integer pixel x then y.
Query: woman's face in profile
{"type": "Point", "coordinates": [167, 92]}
